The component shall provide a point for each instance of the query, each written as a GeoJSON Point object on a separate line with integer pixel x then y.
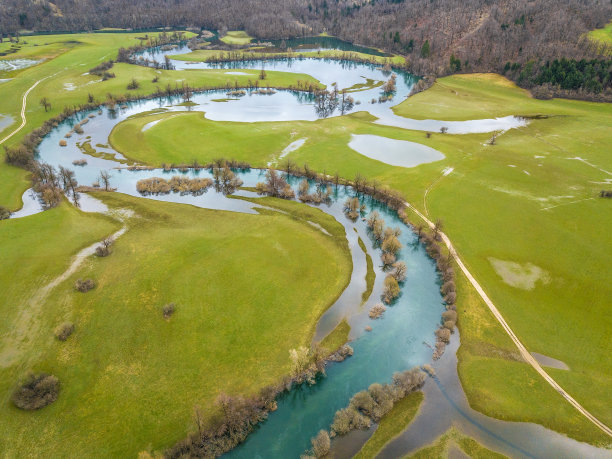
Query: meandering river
{"type": "Point", "coordinates": [398, 341]}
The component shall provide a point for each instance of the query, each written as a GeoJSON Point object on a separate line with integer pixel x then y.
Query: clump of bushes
{"type": "Point", "coordinates": [353, 209]}
{"type": "Point", "coordinates": [275, 185]}
{"type": "Point", "coordinates": [605, 194]}
{"type": "Point", "coordinates": [84, 285]}
{"type": "Point", "coordinates": [133, 84]}
{"type": "Point", "coordinates": [153, 185]}
{"type": "Point", "coordinates": [391, 289]}
{"type": "Point", "coordinates": [79, 162]}
{"type": "Point", "coordinates": [102, 70]}
{"type": "Point", "coordinates": [321, 194]}
{"type": "Point", "coordinates": [4, 213]}
{"type": "Point", "coordinates": [321, 444]}
{"type": "Point", "coordinates": [178, 184]}
{"type": "Point", "coordinates": [63, 331]}
{"type": "Point", "coordinates": [371, 405]}
{"type": "Point", "coordinates": [104, 249]}
{"type": "Point", "coordinates": [36, 392]}
{"type": "Point", "coordinates": [168, 310]}
{"type": "Point", "coordinates": [376, 311]}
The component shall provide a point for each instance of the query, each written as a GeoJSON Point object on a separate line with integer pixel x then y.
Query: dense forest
{"type": "Point", "coordinates": [438, 36]}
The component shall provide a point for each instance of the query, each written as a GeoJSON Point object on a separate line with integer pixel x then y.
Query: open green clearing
{"type": "Point", "coordinates": [67, 84]}
{"type": "Point", "coordinates": [243, 299]}
{"type": "Point", "coordinates": [603, 35]}
{"type": "Point", "coordinates": [523, 202]}
{"type": "Point", "coordinates": [392, 424]}
{"type": "Point", "coordinates": [236, 37]}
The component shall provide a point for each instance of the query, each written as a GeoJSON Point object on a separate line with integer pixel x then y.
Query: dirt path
{"type": "Point", "coordinates": [25, 325]}
{"type": "Point", "coordinates": [24, 101]}
{"type": "Point", "coordinates": [521, 347]}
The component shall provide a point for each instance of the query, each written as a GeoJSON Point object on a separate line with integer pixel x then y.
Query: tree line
{"type": "Point", "coordinates": [438, 37]}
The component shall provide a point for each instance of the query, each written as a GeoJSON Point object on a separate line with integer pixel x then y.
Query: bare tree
{"type": "Point", "coordinates": [105, 177]}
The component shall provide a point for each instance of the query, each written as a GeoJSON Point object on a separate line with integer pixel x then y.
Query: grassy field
{"type": "Point", "coordinates": [243, 299]}
{"type": "Point", "coordinates": [67, 83]}
{"type": "Point", "coordinates": [529, 173]}
{"type": "Point", "coordinates": [523, 214]}
{"type": "Point", "coordinates": [603, 35]}
{"type": "Point", "coordinates": [546, 269]}
{"type": "Point", "coordinates": [236, 37]}
{"type": "Point", "coordinates": [455, 442]}
{"type": "Point", "coordinates": [391, 425]}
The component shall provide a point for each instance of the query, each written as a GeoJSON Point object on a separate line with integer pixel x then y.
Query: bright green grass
{"type": "Point", "coordinates": [35, 250]}
{"type": "Point", "coordinates": [454, 439]}
{"type": "Point", "coordinates": [489, 209]}
{"type": "Point", "coordinates": [236, 37]}
{"type": "Point", "coordinates": [337, 337]}
{"type": "Point", "coordinates": [370, 274]}
{"type": "Point", "coordinates": [603, 35]}
{"type": "Point", "coordinates": [243, 300]}
{"type": "Point", "coordinates": [391, 425]}
{"type": "Point", "coordinates": [70, 57]}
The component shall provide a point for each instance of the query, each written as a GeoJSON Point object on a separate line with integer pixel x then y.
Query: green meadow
{"type": "Point", "coordinates": [236, 37]}
{"type": "Point", "coordinates": [522, 211]}
{"type": "Point", "coordinates": [523, 214]}
{"type": "Point", "coordinates": [243, 300]}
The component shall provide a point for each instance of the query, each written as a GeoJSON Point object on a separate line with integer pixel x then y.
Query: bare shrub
{"type": "Point", "coordinates": [168, 310]}
{"type": "Point", "coordinates": [63, 143]}
{"type": "Point", "coordinates": [104, 249]}
{"type": "Point", "coordinates": [443, 334]}
{"type": "Point", "coordinates": [63, 331]}
{"type": "Point", "coordinates": [391, 289]}
{"type": "Point", "coordinates": [79, 162]}
{"type": "Point", "coordinates": [449, 315]}
{"type": "Point", "coordinates": [84, 285]}
{"type": "Point", "coordinates": [153, 185]}
{"type": "Point", "coordinates": [450, 298]}
{"type": "Point", "coordinates": [447, 287]}
{"type": "Point", "coordinates": [387, 259]}
{"type": "Point", "coordinates": [376, 311]}
{"type": "Point", "coordinates": [352, 208]}
{"type": "Point", "coordinates": [321, 444]}
{"type": "Point", "coordinates": [36, 392]}
{"type": "Point", "coordinates": [449, 325]}
{"type": "Point", "coordinates": [4, 213]}
{"type": "Point", "coordinates": [348, 419]}
{"type": "Point", "coordinates": [399, 271]}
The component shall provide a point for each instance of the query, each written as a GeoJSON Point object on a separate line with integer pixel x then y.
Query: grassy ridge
{"type": "Point", "coordinates": [243, 299]}
{"type": "Point", "coordinates": [391, 425]}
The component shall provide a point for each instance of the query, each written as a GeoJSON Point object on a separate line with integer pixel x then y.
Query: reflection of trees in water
{"type": "Point", "coordinates": [326, 102]}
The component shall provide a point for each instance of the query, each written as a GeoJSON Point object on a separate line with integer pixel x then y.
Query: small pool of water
{"type": "Point", "coordinates": [401, 153]}
{"type": "Point", "coordinates": [5, 121]}
{"type": "Point", "coordinates": [8, 65]}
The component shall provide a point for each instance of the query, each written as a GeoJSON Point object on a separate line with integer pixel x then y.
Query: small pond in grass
{"type": "Point", "coordinates": [394, 152]}
{"type": "Point", "coordinates": [8, 65]}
